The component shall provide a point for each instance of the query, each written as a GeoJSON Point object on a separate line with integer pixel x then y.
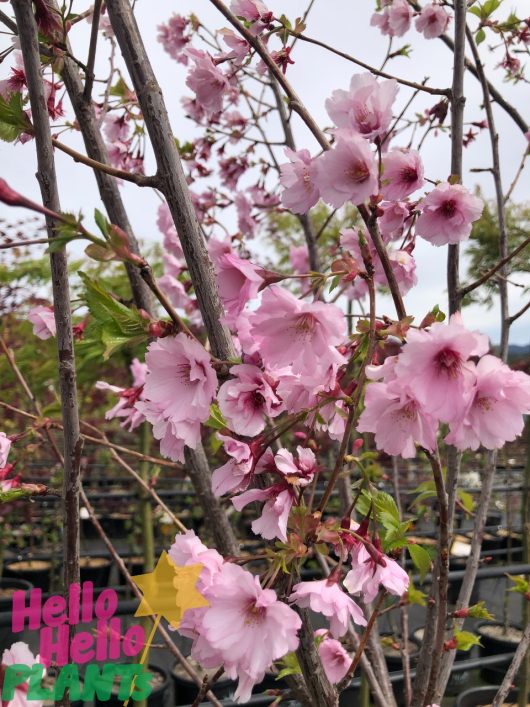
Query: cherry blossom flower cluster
{"type": "Point", "coordinates": [246, 628]}
{"type": "Point", "coordinates": [444, 374]}
{"type": "Point", "coordinates": [349, 173]}
{"type": "Point", "coordinates": [397, 15]}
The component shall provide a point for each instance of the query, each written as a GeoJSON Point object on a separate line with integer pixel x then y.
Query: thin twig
{"type": "Point", "coordinates": [372, 69]}
{"type": "Point", "coordinates": [138, 179]}
{"type": "Point", "coordinates": [520, 653]}
{"type": "Point", "coordinates": [89, 81]}
{"type": "Point", "coordinates": [498, 266]}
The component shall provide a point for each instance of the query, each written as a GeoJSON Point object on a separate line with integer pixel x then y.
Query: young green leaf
{"type": "Point", "coordinates": [421, 559]}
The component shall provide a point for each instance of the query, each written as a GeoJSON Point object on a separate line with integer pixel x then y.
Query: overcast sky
{"type": "Point", "coordinates": [314, 75]}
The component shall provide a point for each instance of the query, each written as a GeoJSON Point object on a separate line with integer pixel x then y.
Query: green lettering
{"type": "Point", "coordinates": [35, 690]}
{"type": "Point", "coordinates": [15, 675]}
{"type": "Point", "coordinates": [100, 684]}
{"type": "Point", "coordinates": [128, 673]}
{"type": "Point", "coordinates": [68, 679]}
{"type": "Point", "coordinates": [142, 686]}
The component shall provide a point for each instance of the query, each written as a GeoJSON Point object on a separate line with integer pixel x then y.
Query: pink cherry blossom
{"type": "Point", "coordinates": [207, 81]}
{"type": "Point", "coordinates": [253, 11]}
{"type": "Point", "coordinates": [43, 321]}
{"type": "Point", "coordinates": [248, 627]}
{"type": "Point", "coordinates": [180, 377]}
{"type": "Point", "coordinates": [237, 473]}
{"type": "Point", "coordinates": [299, 258]}
{"type": "Point", "coordinates": [7, 483]}
{"type": "Point", "coordinates": [347, 172]}
{"type": "Point", "coordinates": [399, 17]}
{"type": "Point", "coordinates": [332, 419]}
{"type": "Point", "coordinates": [239, 47]}
{"type": "Point", "coordinates": [301, 334]}
{"type": "Point", "coordinates": [391, 222]}
{"type": "Point", "coordinates": [432, 21]}
{"type": "Point", "coordinates": [434, 367]}
{"type": "Point", "coordinates": [366, 575]}
{"type": "Point", "coordinates": [238, 279]}
{"type": "Point", "coordinates": [172, 36]}
{"type": "Point", "coordinates": [402, 175]}
{"type": "Point", "coordinates": [175, 290]}
{"type": "Point", "coordinates": [275, 513]}
{"type": "Point", "coordinates": [397, 420]}
{"type": "Point", "coordinates": [116, 128]}
{"type": "Point", "coordinates": [248, 399]}
{"type": "Point", "coordinates": [167, 228]}
{"type": "Point", "coordinates": [326, 597]}
{"type": "Point", "coordinates": [335, 660]}
{"type": "Point", "coordinates": [188, 549]}
{"type": "Point", "coordinates": [128, 397]}
{"type": "Point", "coordinates": [20, 654]}
{"type": "Point", "coordinates": [382, 20]}
{"type": "Point", "coordinates": [299, 391]}
{"type": "Point", "coordinates": [404, 267]}
{"type": "Point", "coordinates": [5, 446]}
{"type": "Point", "coordinates": [172, 266]}
{"type": "Point", "coordinates": [298, 178]}
{"type": "Point", "coordinates": [447, 214]}
{"type": "Point", "coordinates": [299, 471]}
{"type": "Point", "coordinates": [173, 436]}
{"type": "Point", "coordinates": [494, 414]}
{"type": "Point", "coordinates": [366, 108]}
{"type": "Point", "coordinates": [231, 169]}
{"type": "Point", "coordinates": [245, 222]}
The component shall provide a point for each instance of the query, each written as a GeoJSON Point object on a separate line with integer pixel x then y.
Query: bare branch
{"type": "Point", "coordinates": [509, 678]}
{"type": "Point", "coordinates": [65, 343]}
{"type": "Point", "coordinates": [138, 179]}
{"type": "Point", "coordinates": [373, 70]}
{"type": "Point", "coordinates": [498, 266]}
{"type": "Point", "coordinates": [89, 81]}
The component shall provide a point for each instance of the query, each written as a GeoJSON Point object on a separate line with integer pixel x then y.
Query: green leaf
{"type": "Point", "coordinates": [387, 509]}
{"type": "Point", "coordinates": [13, 120]}
{"type": "Point", "coordinates": [466, 640]}
{"type": "Point", "coordinates": [216, 419]}
{"type": "Point", "coordinates": [521, 585]}
{"type": "Point", "coordinates": [476, 11]}
{"type": "Point", "coordinates": [101, 222]}
{"type": "Point", "coordinates": [291, 666]}
{"type": "Point", "coordinates": [118, 325]}
{"type": "Point", "coordinates": [489, 7]}
{"type": "Point", "coordinates": [99, 253]}
{"type": "Point", "coordinates": [58, 242]}
{"type": "Point", "coordinates": [480, 36]}
{"type": "Point", "coordinates": [421, 559]}
{"type": "Point", "coordinates": [416, 596]}
{"type": "Point", "coordinates": [479, 611]}
{"type": "Point", "coordinates": [334, 283]}
{"type": "Point", "coordinates": [120, 89]}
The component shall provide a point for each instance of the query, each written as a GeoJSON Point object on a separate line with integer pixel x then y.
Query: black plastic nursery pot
{"type": "Point", "coordinates": [9, 585]}
{"type": "Point", "coordinates": [483, 697]}
{"type": "Point", "coordinates": [458, 680]}
{"type": "Point", "coordinates": [157, 698]}
{"type": "Point", "coordinates": [186, 690]}
{"type": "Point", "coordinates": [36, 572]}
{"type": "Point", "coordinates": [392, 653]}
{"type": "Point", "coordinates": [495, 639]}
{"type": "Point", "coordinates": [95, 570]}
